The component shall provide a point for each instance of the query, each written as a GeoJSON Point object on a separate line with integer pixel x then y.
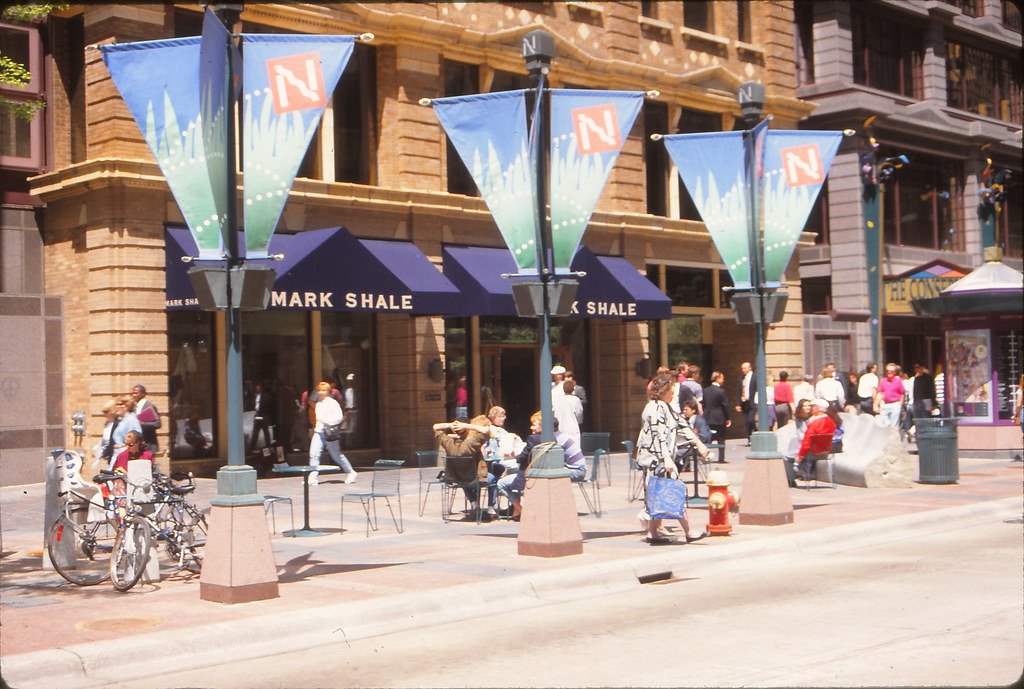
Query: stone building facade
{"type": "Point", "coordinates": [380, 166]}
{"type": "Point", "coordinates": [942, 82]}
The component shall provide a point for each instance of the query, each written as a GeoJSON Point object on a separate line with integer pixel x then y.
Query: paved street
{"type": "Point", "coordinates": [343, 595]}
{"type": "Point", "coordinates": [913, 611]}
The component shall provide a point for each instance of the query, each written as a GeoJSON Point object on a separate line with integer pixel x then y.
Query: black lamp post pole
{"type": "Point", "coordinates": [236, 482]}
{"type": "Point", "coordinates": [538, 49]}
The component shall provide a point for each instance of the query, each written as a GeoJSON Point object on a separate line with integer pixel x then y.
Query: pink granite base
{"type": "Point", "coordinates": [765, 500]}
{"type": "Point", "coordinates": [238, 565]}
{"type": "Point", "coordinates": [550, 526]}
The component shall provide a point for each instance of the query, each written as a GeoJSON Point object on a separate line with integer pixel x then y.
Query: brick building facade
{"type": "Point", "coordinates": [380, 166]}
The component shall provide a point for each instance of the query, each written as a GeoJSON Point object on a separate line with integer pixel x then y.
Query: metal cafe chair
{"type": "Point", "coordinates": [460, 473]}
{"type": "Point", "coordinates": [269, 501]}
{"type": "Point", "coordinates": [430, 475]}
{"type": "Point", "coordinates": [591, 442]}
{"type": "Point", "coordinates": [827, 458]}
{"type": "Point", "coordinates": [592, 482]}
{"type": "Point", "coordinates": [635, 484]}
{"type": "Point", "coordinates": [386, 484]}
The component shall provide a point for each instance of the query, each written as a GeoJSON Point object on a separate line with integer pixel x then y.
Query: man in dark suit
{"type": "Point", "coordinates": [716, 410]}
{"type": "Point", "coordinates": [263, 405]}
{"type": "Point", "coordinates": [748, 388]}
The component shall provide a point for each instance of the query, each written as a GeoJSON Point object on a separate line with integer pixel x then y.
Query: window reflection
{"type": "Point", "coordinates": [193, 408]}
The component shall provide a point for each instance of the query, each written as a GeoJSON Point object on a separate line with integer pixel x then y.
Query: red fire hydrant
{"type": "Point", "coordinates": [720, 501]}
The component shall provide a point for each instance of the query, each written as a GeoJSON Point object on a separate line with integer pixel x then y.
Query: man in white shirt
{"type": "Point", "coordinates": [867, 386]}
{"type": "Point", "coordinates": [830, 389]}
{"type": "Point", "coordinates": [803, 390]}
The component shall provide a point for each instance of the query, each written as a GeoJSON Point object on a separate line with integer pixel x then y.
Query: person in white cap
{"type": "Point", "coordinates": [557, 378]}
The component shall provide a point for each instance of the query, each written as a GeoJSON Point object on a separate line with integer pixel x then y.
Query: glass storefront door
{"type": "Point", "coordinates": [506, 361]}
{"type": "Point", "coordinates": [275, 354]}
{"type": "Point", "coordinates": [191, 386]}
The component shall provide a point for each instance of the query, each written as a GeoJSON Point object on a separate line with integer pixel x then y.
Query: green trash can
{"type": "Point", "coordinates": [938, 452]}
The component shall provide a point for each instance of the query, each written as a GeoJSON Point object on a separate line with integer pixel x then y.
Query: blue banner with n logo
{"type": "Point", "coordinates": [588, 129]}
{"type": "Point", "coordinates": [489, 132]}
{"type": "Point", "coordinates": [177, 91]}
{"type": "Point", "coordinates": [796, 164]}
{"type": "Point", "coordinates": [288, 81]}
{"type": "Point", "coordinates": [158, 82]}
{"type": "Point", "coordinates": [788, 172]}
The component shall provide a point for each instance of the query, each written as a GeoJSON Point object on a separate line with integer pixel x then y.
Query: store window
{"type": "Point", "coordinates": [22, 140]}
{"type": "Point", "coordinates": [657, 164]}
{"type": "Point", "coordinates": [803, 35]}
{"type": "Point", "coordinates": [347, 362]}
{"type": "Point", "coordinates": [460, 79]}
{"type": "Point", "coordinates": [924, 204]}
{"type": "Point", "coordinates": [743, 21]}
{"type": "Point", "coordinates": [694, 122]}
{"type": "Point", "coordinates": [690, 287]}
{"type": "Point", "coordinates": [456, 369]}
{"type": "Point", "coordinates": [816, 294]}
{"type": "Point", "coordinates": [191, 385]}
{"type": "Point", "coordinates": [887, 54]}
{"type": "Point", "coordinates": [685, 341]}
{"type": "Point", "coordinates": [275, 355]}
{"type": "Point", "coordinates": [984, 83]}
{"type": "Point", "coordinates": [697, 14]}
{"type": "Point", "coordinates": [1011, 15]}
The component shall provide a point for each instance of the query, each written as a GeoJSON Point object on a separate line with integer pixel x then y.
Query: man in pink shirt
{"type": "Point", "coordinates": [889, 397]}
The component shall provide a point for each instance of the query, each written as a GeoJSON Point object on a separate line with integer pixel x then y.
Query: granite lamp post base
{"type": "Point", "coordinates": [765, 500]}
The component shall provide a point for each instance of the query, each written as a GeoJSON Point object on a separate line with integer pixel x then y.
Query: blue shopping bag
{"type": "Point", "coordinates": [666, 498]}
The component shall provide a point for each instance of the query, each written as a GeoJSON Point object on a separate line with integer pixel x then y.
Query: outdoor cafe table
{"type": "Point", "coordinates": [305, 470]}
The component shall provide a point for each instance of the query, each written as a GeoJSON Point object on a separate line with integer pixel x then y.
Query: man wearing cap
{"type": "Point", "coordinates": [557, 378]}
{"type": "Point", "coordinates": [817, 442]}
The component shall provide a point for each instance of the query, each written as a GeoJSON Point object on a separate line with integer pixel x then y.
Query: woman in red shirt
{"type": "Point", "coordinates": [783, 399]}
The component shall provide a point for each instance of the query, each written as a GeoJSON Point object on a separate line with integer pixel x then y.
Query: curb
{"type": "Point", "coordinates": [102, 663]}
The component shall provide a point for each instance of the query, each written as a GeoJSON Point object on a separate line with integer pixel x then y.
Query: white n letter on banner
{"type": "Point", "coordinates": [291, 91]}
{"type": "Point", "coordinates": [599, 121]}
{"type": "Point", "coordinates": [802, 165]}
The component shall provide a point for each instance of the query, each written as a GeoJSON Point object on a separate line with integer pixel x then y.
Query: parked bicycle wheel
{"type": "Point", "coordinates": [81, 552]}
{"type": "Point", "coordinates": [131, 553]}
{"type": "Point", "coordinates": [190, 540]}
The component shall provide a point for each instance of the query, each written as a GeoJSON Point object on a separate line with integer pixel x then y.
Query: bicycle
{"type": "Point", "coordinates": [81, 540]}
{"type": "Point", "coordinates": [165, 516]}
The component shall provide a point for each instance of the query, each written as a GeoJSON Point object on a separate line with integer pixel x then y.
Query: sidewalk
{"type": "Point", "coordinates": [344, 585]}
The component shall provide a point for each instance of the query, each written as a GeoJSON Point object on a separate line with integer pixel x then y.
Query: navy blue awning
{"type": "Point", "coordinates": [331, 270]}
{"type": "Point", "coordinates": [612, 287]}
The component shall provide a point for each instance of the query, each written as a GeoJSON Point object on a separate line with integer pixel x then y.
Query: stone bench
{"type": "Point", "coordinates": [873, 456]}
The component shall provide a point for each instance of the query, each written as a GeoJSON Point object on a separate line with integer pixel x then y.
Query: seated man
{"type": "Point", "coordinates": [468, 441]}
{"type": "Point", "coordinates": [817, 442]}
{"type": "Point", "coordinates": [512, 485]}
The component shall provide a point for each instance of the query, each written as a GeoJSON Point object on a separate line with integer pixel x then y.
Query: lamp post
{"type": "Point", "coordinates": [239, 563]}
{"type": "Point", "coordinates": [766, 498]}
{"type": "Point", "coordinates": [550, 526]}
{"type": "Point", "coordinates": [537, 297]}
{"type": "Point", "coordinates": [875, 172]}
